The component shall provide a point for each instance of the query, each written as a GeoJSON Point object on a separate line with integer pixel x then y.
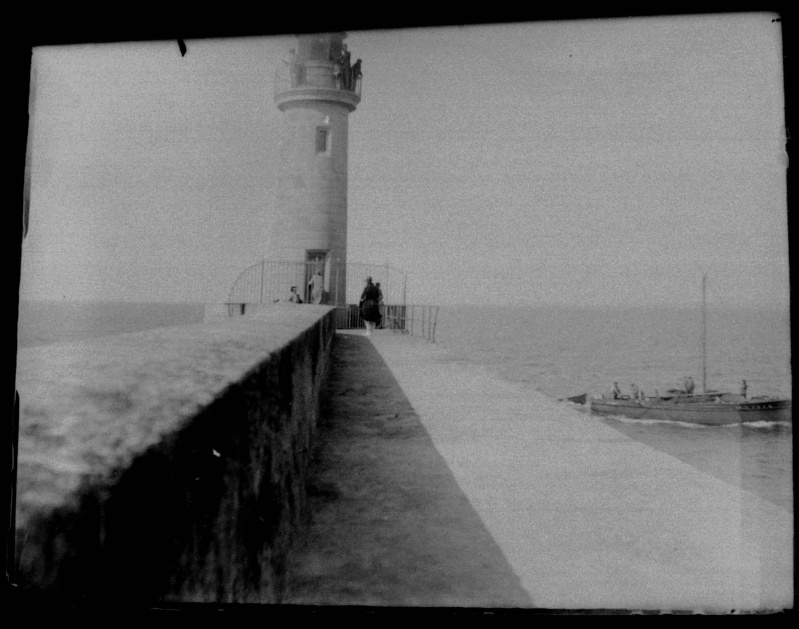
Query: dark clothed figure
{"type": "Point", "coordinates": [355, 74]}
{"type": "Point", "coordinates": [370, 305]}
{"type": "Point", "coordinates": [380, 305]}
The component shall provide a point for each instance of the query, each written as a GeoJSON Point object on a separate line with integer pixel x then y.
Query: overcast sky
{"type": "Point", "coordinates": [580, 162]}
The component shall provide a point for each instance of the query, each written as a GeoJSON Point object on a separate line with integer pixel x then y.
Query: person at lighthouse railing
{"type": "Point", "coordinates": [337, 70]}
{"type": "Point", "coordinates": [346, 70]}
{"type": "Point", "coordinates": [355, 72]}
{"type": "Point", "coordinates": [295, 69]}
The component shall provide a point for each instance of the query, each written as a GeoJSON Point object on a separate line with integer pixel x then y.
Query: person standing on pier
{"type": "Point", "coordinates": [689, 385]}
{"type": "Point", "coordinates": [316, 287]}
{"type": "Point", "coordinates": [743, 388]}
{"type": "Point", "coordinates": [294, 296]}
{"type": "Point", "coordinates": [370, 305]}
{"type": "Point", "coordinates": [379, 305]}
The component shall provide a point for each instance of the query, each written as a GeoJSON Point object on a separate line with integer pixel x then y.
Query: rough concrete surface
{"type": "Point", "coordinates": [482, 493]}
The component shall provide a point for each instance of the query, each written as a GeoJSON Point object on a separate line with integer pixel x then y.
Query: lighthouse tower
{"type": "Point", "coordinates": [316, 89]}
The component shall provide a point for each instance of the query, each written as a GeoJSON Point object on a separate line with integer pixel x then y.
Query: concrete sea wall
{"type": "Point", "coordinates": [169, 465]}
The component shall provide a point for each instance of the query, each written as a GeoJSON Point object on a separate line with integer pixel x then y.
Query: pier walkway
{"type": "Point", "coordinates": [438, 484]}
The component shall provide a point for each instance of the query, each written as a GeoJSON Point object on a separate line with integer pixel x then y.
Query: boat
{"type": "Point", "coordinates": [713, 408]}
{"type": "Point", "coordinates": [577, 399]}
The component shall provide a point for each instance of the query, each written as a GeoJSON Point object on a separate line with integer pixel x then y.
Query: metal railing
{"type": "Point", "coordinates": [405, 319]}
{"type": "Point", "coordinates": [416, 320]}
{"type": "Point", "coordinates": [270, 281]}
{"type": "Point", "coordinates": [349, 317]}
{"type": "Point", "coordinates": [293, 76]}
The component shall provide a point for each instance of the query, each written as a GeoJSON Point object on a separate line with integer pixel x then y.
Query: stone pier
{"type": "Point", "coordinates": [438, 484]}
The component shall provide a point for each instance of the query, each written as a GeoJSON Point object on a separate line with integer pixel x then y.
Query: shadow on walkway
{"type": "Point", "coordinates": [387, 523]}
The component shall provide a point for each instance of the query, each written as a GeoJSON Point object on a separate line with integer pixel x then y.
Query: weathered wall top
{"type": "Point", "coordinates": [89, 407]}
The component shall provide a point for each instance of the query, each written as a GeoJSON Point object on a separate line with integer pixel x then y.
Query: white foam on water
{"type": "Point", "coordinates": [669, 422]}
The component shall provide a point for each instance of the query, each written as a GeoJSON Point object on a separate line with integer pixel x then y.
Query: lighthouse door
{"type": "Point", "coordinates": [314, 276]}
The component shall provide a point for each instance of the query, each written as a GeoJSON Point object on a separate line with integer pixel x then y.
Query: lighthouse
{"type": "Point", "coordinates": [316, 89]}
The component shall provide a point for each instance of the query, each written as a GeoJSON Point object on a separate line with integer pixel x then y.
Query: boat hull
{"type": "Point", "coordinates": [697, 411]}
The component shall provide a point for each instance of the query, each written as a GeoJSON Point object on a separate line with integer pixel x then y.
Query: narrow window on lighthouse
{"type": "Point", "coordinates": [323, 140]}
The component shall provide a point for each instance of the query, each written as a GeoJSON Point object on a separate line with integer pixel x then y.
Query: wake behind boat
{"type": "Point", "coordinates": [575, 399]}
{"type": "Point", "coordinates": [711, 408]}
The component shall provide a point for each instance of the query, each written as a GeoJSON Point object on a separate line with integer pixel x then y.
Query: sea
{"type": "Point", "coordinates": [565, 351]}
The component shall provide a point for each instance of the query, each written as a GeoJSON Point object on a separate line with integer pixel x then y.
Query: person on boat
{"type": "Point", "coordinates": [633, 392]}
{"type": "Point", "coordinates": [689, 385]}
{"type": "Point", "coordinates": [743, 388]}
{"type": "Point", "coordinates": [616, 392]}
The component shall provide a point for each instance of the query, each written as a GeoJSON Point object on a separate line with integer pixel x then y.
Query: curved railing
{"type": "Point", "coordinates": [294, 76]}
{"type": "Point", "coordinates": [270, 281]}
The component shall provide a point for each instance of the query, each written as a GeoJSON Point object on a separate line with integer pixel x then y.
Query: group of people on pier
{"type": "Point", "coordinates": [316, 292]}
{"type": "Point", "coordinates": [369, 304]}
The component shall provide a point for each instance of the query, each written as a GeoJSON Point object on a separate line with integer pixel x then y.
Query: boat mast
{"type": "Point", "coordinates": [704, 333]}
